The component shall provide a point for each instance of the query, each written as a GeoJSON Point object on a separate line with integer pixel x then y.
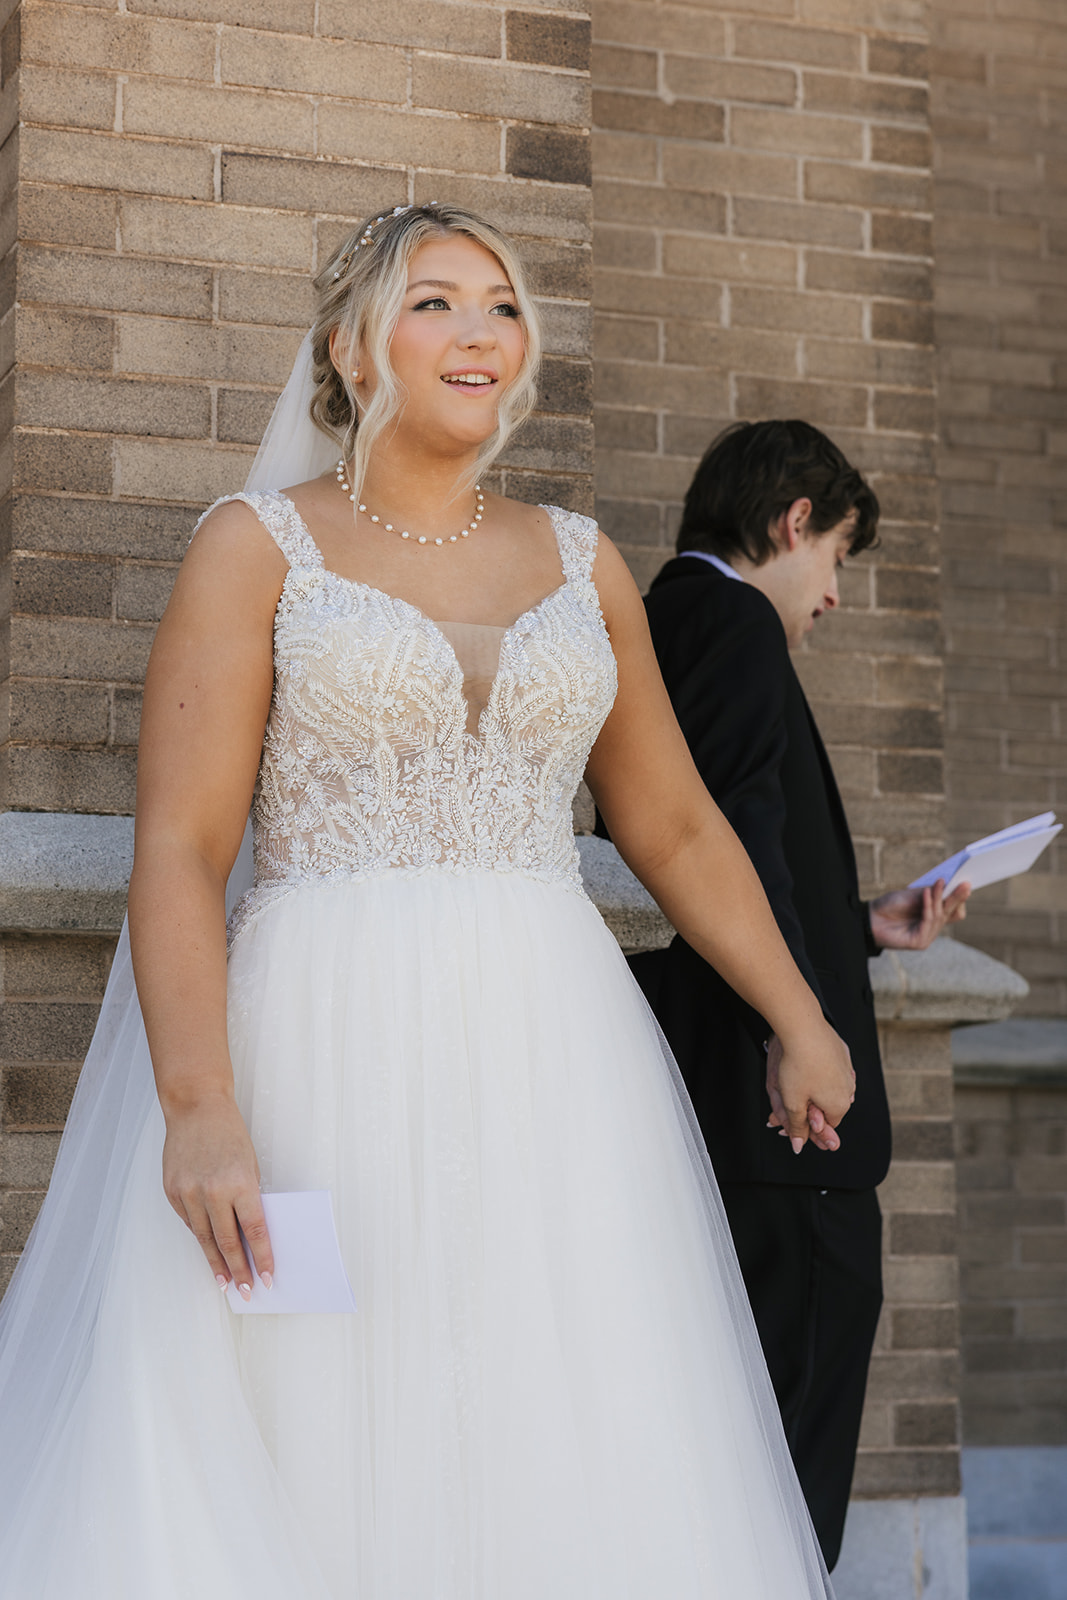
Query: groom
{"type": "Point", "coordinates": [771, 515]}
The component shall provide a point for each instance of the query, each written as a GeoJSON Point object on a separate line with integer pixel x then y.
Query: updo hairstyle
{"type": "Point", "coordinates": [361, 292]}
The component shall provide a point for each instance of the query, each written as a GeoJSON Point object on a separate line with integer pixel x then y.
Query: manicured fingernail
{"type": "Point", "coordinates": [266, 1280]}
{"type": "Point", "coordinates": [798, 1145]}
{"type": "Point", "coordinates": [222, 1282]}
{"type": "Point", "coordinates": [245, 1291]}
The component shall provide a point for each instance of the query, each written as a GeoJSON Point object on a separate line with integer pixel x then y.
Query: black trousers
{"type": "Point", "coordinates": [812, 1265]}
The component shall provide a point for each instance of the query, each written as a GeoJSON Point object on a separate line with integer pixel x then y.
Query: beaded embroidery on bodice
{"type": "Point", "coordinates": [368, 764]}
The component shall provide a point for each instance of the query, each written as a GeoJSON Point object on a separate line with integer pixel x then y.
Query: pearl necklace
{"type": "Point", "coordinates": [419, 538]}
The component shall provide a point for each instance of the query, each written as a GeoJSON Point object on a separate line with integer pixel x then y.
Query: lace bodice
{"type": "Point", "coordinates": [368, 763]}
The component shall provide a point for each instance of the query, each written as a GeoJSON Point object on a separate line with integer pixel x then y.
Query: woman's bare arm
{"type": "Point", "coordinates": [207, 695]}
{"type": "Point", "coordinates": [675, 839]}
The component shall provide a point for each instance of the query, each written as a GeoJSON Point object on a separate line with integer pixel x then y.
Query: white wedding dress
{"type": "Point", "coordinates": [551, 1389]}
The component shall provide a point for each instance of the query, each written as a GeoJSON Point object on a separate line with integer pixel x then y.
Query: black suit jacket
{"type": "Point", "coordinates": [724, 658]}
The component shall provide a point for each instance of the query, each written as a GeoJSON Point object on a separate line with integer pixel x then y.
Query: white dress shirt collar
{"type": "Point", "coordinates": [705, 555]}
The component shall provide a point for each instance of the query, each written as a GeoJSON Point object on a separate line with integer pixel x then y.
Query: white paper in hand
{"type": "Point", "coordinates": [309, 1274]}
{"type": "Point", "coordinates": [999, 855]}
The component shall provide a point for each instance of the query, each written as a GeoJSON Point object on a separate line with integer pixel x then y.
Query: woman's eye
{"type": "Point", "coordinates": [505, 309]}
{"type": "Point", "coordinates": [435, 303]}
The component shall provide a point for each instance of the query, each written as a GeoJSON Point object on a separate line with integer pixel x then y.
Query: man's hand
{"type": "Point", "coordinates": [792, 1085]}
{"type": "Point", "coordinates": [911, 919]}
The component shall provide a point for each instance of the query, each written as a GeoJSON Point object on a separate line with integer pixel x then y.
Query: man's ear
{"type": "Point", "coordinates": [792, 525]}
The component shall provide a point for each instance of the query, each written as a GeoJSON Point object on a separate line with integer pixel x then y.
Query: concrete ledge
{"type": "Point", "coordinates": [1025, 1051]}
{"type": "Point", "coordinates": [904, 1550]}
{"type": "Point", "coordinates": [948, 983]}
{"type": "Point", "coordinates": [63, 872]}
{"type": "Point", "coordinates": [625, 904]}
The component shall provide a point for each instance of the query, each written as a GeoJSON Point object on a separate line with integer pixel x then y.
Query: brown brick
{"type": "Point", "coordinates": [51, 215]}
{"type": "Point", "coordinates": [901, 774]}
{"type": "Point", "coordinates": [626, 338]}
{"type": "Point", "coordinates": [702, 79]}
{"type": "Point", "coordinates": [61, 588]}
{"type": "Point", "coordinates": [624, 69]}
{"type": "Point", "coordinates": [906, 324]}
{"type": "Point", "coordinates": [165, 228]}
{"type": "Point", "coordinates": [664, 27]}
{"type": "Point", "coordinates": [931, 1424]}
{"type": "Point", "coordinates": [692, 256]}
{"type": "Point", "coordinates": [142, 592]}
{"type": "Point", "coordinates": [625, 155]}
{"type": "Point", "coordinates": [549, 155]}
{"type": "Point", "coordinates": [243, 415]}
{"type": "Point", "coordinates": [803, 313]}
{"type": "Point", "coordinates": [111, 283]}
{"type": "Point", "coordinates": [548, 212]}
{"type": "Point", "coordinates": [63, 339]}
{"type": "Point", "coordinates": [445, 143]}
{"type": "Point", "coordinates": [220, 116]}
{"type": "Point", "coordinates": [820, 47]}
{"type": "Point", "coordinates": [500, 91]}
{"type": "Point", "coordinates": [626, 430]}
{"type": "Point", "coordinates": [652, 206]}
{"type": "Point", "coordinates": [126, 716]}
{"type": "Point", "coordinates": [866, 97]}
{"type": "Point", "coordinates": [277, 299]}
{"type": "Point", "coordinates": [822, 404]}
{"type": "Point", "coordinates": [566, 386]}
{"type": "Point", "coordinates": [99, 527]}
{"type": "Point", "coordinates": [82, 649]}
{"type": "Point", "coordinates": [66, 99]}
{"type": "Point", "coordinates": [191, 472]}
{"type": "Point", "coordinates": [558, 268]}
{"type": "Point", "coordinates": [901, 235]}
{"type": "Point", "coordinates": [185, 349]}
{"type": "Point", "coordinates": [901, 147]}
{"type": "Point", "coordinates": [60, 461]}
{"type": "Point", "coordinates": [769, 354]}
{"type": "Point", "coordinates": [643, 113]}
{"type": "Point", "coordinates": [26, 1159]}
{"type": "Point", "coordinates": [807, 223]}
{"type": "Point", "coordinates": [838, 182]}
{"type": "Point", "coordinates": [731, 171]}
{"type": "Point", "coordinates": [68, 36]}
{"type": "Point", "coordinates": [118, 162]}
{"type": "Point", "coordinates": [698, 393]}
{"type": "Point", "coordinates": [460, 29]}
{"type": "Point", "coordinates": [37, 1096]}
{"type": "Point", "coordinates": [805, 134]}
{"type": "Point", "coordinates": [286, 16]}
{"type": "Point", "coordinates": [54, 400]}
{"type": "Point", "coordinates": [898, 58]}
{"type": "Point", "coordinates": [60, 713]}
{"type": "Point", "coordinates": [312, 66]}
{"type": "Point", "coordinates": [924, 1328]}
{"type": "Point", "coordinates": [854, 274]}
{"type": "Point", "coordinates": [549, 41]}
{"type": "Point", "coordinates": [341, 188]}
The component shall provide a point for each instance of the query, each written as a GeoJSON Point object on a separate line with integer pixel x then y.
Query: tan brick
{"type": "Point", "coordinates": [807, 224]}
{"type": "Point", "coordinates": [343, 188]}
{"type": "Point", "coordinates": [655, 206]}
{"type": "Point", "coordinates": [64, 339]}
{"type": "Point", "coordinates": [646, 113]}
{"type": "Point", "coordinates": [99, 527]}
{"type": "Point", "coordinates": [877, 275]}
{"type": "Point", "coordinates": [771, 355]}
{"type": "Point", "coordinates": [312, 66]}
{"type": "Point", "coordinates": [629, 383]}
{"type": "Point", "coordinates": [701, 79]}
{"type": "Point", "coordinates": [92, 404]}
{"type": "Point", "coordinates": [624, 68]}
{"type": "Point", "coordinates": [869, 363]}
{"type": "Point", "coordinates": [625, 155]}
{"type": "Point", "coordinates": [117, 162]}
{"type": "Point", "coordinates": [901, 147]}
{"type": "Point", "coordinates": [444, 143]}
{"type": "Point", "coordinates": [549, 154]}
{"type": "Point", "coordinates": [804, 134]}
{"type": "Point", "coordinates": [898, 58]}
{"type": "Point", "coordinates": [48, 214]}
{"type": "Point", "coordinates": [99, 781]}
{"type": "Point", "coordinates": [126, 716]}
{"type": "Point", "coordinates": [58, 461]}
{"type": "Point", "coordinates": [258, 238]}
{"type": "Point", "coordinates": [626, 338]}
{"type": "Point", "coordinates": [172, 348]}
{"type": "Point", "coordinates": [460, 29]}
{"type": "Point", "coordinates": [567, 328]}
{"type": "Point", "coordinates": [865, 186]}
{"type": "Point", "coordinates": [500, 91]}
{"type": "Point", "coordinates": [109, 283]}
{"type": "Point", "coordinates": [663, 27]}
{"type": "Point", "coordinates": [195, 474]}
{"type": "Point", "coordinates": [548, 211]}
{"type": "Point", "coordinates": [286, 16]}
{"type": "Point", "coordinates": [61, 713]}
{"type": "Point", "coordinates": [547, 40]}
{"type": "Point", "coordinates": [219, 116]}
{"type": "Point", "coordinates": [769, 41]}
{"type": "Point", "coordinates": [67, 36]}
{"type": "Point", "coordinates": [729, 171]}
{"type": "Point", "coordinates": [729, 260]}
{"type": "Point", "coordinates": [796, 312]}
{"type": "Point", "coordinates": [66, 99]}
{"type": "Point", "coordinates": [901, 235]}
{"type": "Point", "coordinates": [243, 415]}
{"type": "Point", "coordinates": [67, 647]}
{"type": "Point", "coordinates": [142, 592]}
{"type": "Point", "coordinates": [865, 97]}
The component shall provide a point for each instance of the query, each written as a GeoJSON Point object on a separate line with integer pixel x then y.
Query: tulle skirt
{"type": "Point", "coordinates": [552, 1388]}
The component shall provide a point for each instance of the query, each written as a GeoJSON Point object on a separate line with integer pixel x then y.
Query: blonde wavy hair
{"type": "Point", "coordinates": [361, 292]}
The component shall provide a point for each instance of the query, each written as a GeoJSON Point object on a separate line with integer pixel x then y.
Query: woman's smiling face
{"type": "Point", "coordinates": [457, 345]}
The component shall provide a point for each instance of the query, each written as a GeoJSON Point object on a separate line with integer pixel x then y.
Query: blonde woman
{"type": "Point", "coordinates": [551, 1386]}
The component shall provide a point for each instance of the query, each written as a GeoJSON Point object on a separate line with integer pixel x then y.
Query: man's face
{"type": "Point", "coordinates": [801, 579]}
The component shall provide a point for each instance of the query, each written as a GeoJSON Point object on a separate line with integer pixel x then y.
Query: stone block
{"type": "Point", "coordinates": [924, 1328]}
{"type": "Point", "coordinates": [722, 169]}
{"type": "Point", "coordinates": [57, 338]}
{"type": "Point", "coordinates": [899, 58]}
{"type": "Point", "coordinates": [125, 716]}
{"type": "Point", "coordinates": [243, 415]}
{"type": "Point", "coordinates": [26, 1160]}
{"type": "Point", "coordinates": [924, 1425]}
{"type": "Point", "coordinates": [625, 155]}
{"type": "Point", "coordinates": [548, 211]}
{"type": "Point", "coordinates": [193, 473]}
{"type": "Point", "coordinates": [50, 215]}
{"type": "Point", "coordinates": [796, 312]}
{"type": "Point", "coordinates": [626, 338]}
{"type": "Point", "coordinates": [18, 1213]}
{"type": "Point", "coordinates": [142, 592]}
{"type": "Point", "coordinates": [807, 134]}
{"type": "Point", "coordinates": [100, 527]}
{"type": "Point", "coordinates": [118, 162]}
{"type": "Point", "coordinates": [312, 66]}
{"type": "Point", "coordinates": [694, 392]}
{"type": "Point", "coordinates": [629, 248]}
{"type": "Point", "coordinates": [344, 189]}
{"type": "Point", "coordinates": [278, 299]}
{"type": "Point", "coordinates": [546, 154]}
{"type": "Point", "coordinates": [164, 228]}
{"type": "Point", "coordinates": [626, 430]}
{"type": "Point", "coordinates": [502, 90]}
{"type": "Point", "coordinates": [804, 223]}
{"type": "Point", "coordinates": [45, 1031]}
{"type": "Point", "coordinates": [54, 461]}
{"type": "Point", "coordinates": [79, 648]}
{"type": "Point", "coordinates": [39, 966]}
{"type": "Point", "coordinates": [219, 116]}
{"type": "Point", "coordinates": [66, 36]}
{"type": "Point", "coordinates": [284, 16]}
{"type": "Point", "coordinates": [818, 47]}
{"type": "Point", "coordinates": [113, 405]}
{"type": "Point", "coordinates": [699, 78]}
{"type": "Point", "coordinates": [169, 347]}
{"type": "Point", "coordinates": [730, 260]}
{"type": "Point", "coordinates": [667, 27]}
{"type": "Point", "coordinates": [854, 95]}
{"type": "Point", "coordinates": [56, 587]}
{"type": "Point", "coordinates": [113, 283]}
{"type": "Point", "coordinates": [421, 139]}
{"type": "Point", "coordinates": [905, 324]}
{"type": "Point", "coordinates": [37, 778]}
{"type": "Point", "coordinates": [881, 275]}
{"type": "Point", "coordinates": [66, 99]}
{"type": "Point", "coordinates": [549, 41]}
{"type": "Point", "coordinates": [899, 1472]}
{"type": "Point", "coordinates": [922, 1233]}
{"type": "Point", "coordinates": [824, 404]}
{"type": "Point", "coordinates": [59, 713]}
{"type": "Point", "coordinates": [567, 328]}
{"type": "Point", "coordinates": [565, 386]}
{"type": "Point", "coordinates": [903, 774]}
{"type": "Point", "coordinates": [619, 68]}
{"type": "Point", "coordinates": [648, 114]}
{"type": "Point", "coordinates": [472, 30]}
{"type": "Point", "coordinates": [36, 1097]}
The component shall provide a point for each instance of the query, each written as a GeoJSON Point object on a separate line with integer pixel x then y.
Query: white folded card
{"type": "Point", "coordinates": [309, 1274]}
{"type": "Point", "coordinates": [1000, 855]}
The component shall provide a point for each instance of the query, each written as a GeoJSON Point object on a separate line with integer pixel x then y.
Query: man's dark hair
{"type": "Point", "coordinates": [753, 471]}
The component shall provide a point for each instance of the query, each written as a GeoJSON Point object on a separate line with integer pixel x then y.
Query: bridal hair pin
{"type": "Point", "coordinates": [419, 538]}
{"type": "Point", "coordinates": [367, 236]}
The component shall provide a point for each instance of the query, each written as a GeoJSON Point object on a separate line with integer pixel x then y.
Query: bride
{"type": "Point", "coordinates": [551, 1388]}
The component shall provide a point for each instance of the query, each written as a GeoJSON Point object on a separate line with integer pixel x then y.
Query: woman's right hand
{"type": "Point", "coordinates": [211, 1178]}
{"type": "Point", "coordinates": [811, 1086]}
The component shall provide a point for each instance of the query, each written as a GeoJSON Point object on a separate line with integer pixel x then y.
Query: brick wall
{"type": "Point", "coordinates": [762, 204]}
{"type": "Point", "coordinates": [181, 170]}
{"type": "Point", "coordinates": [999, 81]}
{"type": "Point", "coordinates": [1012, 1173]}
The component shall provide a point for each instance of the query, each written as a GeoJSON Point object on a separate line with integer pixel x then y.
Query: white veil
{"type": "Point", "coordinates": [49, 1315]}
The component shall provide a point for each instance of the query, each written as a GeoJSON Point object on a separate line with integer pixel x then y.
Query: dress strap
{"type": "Point", "coordinates": [282, 521]}
{"type": "Point", "coordinates": [576, 537]}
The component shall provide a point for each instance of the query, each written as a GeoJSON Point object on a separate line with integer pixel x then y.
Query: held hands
{"type": "Point", "coordinates": [911, 919]}
{"type": "Point", "coordinates": [211, 1178]}
{"type": "Point", "coordinates": [810, 1086]}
